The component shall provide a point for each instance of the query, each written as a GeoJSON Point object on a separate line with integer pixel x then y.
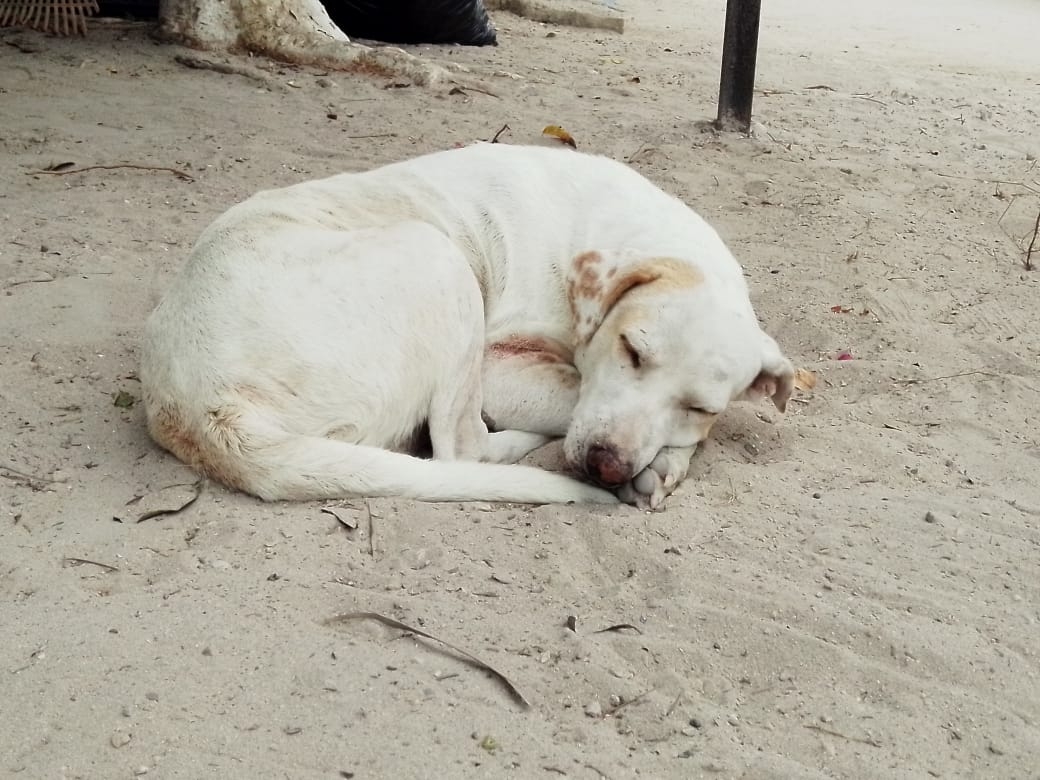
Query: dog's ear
{"type": "Point", "coordinates": [776, 378]}
{"type": "Point", "coordinates": [595, 285]}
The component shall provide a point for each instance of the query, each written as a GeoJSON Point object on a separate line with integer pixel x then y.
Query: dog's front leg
{"type": "Point", "coordinates": [650, 486]}
{"type": "Point", "coordinates": [529, 385]}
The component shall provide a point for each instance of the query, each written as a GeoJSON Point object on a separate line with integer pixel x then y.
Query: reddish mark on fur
{"type": "Point", "coordinates": [168, 428]}
{"type": "Point", "coordinates": [536, 349]}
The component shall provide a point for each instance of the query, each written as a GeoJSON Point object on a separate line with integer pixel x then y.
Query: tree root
{"type": "Point", "coordinates": [296, 31]}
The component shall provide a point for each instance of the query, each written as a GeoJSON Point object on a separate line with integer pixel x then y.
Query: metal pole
{"type": "Point", "coordinates": [739, 50]}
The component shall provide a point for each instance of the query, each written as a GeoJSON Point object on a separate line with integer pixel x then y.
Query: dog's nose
{"type": "Point", "coordinates": [604, 465]}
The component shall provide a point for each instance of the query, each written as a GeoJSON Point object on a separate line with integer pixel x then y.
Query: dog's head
{"type": "Point", "coordinates": [662, 352]}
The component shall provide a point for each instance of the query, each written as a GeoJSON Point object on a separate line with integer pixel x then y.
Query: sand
{"type": "Point", "coordinates": [851, 590]}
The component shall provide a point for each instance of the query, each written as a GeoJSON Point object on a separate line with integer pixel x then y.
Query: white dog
{"type": "Point", "coordinates": [317, 328]}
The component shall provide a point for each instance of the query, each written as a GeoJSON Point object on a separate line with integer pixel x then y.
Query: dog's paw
{"type": "Point", "coordinates": [649, 488]}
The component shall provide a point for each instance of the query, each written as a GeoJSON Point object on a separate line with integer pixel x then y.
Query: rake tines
{"type": "Point", "coordinates": [61, 17]}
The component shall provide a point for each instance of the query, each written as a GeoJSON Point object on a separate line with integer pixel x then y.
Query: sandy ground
{"type": "Point", "coordinates": [850, 591]}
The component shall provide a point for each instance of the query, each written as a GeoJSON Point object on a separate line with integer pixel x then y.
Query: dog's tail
{"type": "Point", "coordinates": [251, 454]}
{"type": "Point", "coordinates": [305, 468]}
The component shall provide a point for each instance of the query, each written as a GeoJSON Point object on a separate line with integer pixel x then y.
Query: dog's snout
{"type": "Point", "coordinates": [604, 465]}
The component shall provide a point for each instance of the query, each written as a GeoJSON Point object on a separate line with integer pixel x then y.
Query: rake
{"type": "Point", "coordinates": [61, 17]}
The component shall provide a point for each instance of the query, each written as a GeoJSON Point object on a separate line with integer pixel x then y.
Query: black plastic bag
{"type": "Point", "coordinates": [414, 21]}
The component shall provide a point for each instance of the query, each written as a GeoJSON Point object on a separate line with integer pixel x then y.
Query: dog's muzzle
{"type": "Point", "coordinates": [603, 464]}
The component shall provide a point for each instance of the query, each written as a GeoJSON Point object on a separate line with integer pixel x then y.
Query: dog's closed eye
{"type": "Point", "coordinates": [694, 408]}
{"type": "Point", "coordinates": [631, 352]}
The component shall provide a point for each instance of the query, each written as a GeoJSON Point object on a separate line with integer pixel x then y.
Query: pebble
{"type": "Point", "coordinates": [732, 720]}
{"type": "Point", "coordinates": [141, 770]}
{"type": "Point", "coordinates": [119, 739]}
{"type": "Point", "coordinates": [594, 709]}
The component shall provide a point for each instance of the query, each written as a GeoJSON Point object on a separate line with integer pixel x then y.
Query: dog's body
{"type": "Point", "coordinates": [316, 328]}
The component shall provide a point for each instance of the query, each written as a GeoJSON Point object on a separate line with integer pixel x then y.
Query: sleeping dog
{"type": "Point", "coordinates": [316, 328]}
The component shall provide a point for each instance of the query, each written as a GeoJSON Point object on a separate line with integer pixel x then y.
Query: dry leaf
{"type": "Point", "coordinates": [557, 132]}
{"type": "Point", "coordinates": [804, 379]}
{"type": "Point", "coordinates": [123, 400]}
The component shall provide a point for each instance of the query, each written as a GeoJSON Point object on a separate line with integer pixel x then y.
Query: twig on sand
{"type": "Point", "coordinates": [871, 98]}
{"type": "Point", "coordinates": [1021, 184]}
{"type": "Point", "coordinates": [1028, 262]}
{"type": "Point", "coordinates": [466, 655]}
{"type": "Point", "coordinates": [20, 476]}
{"type": "Point", "coordinates": [625, 703]}
{"type": "Point", "coordinates": [462, 89]}
{"type": "Point", "coordinates": [178, 173]}
{"type": "Point", "coordinates": [862, 740]}
{"type": "Point", "coordinates": [371, 531]}
{"type": "Point", "coordinates": [81, 561]}
{"type": "Point", "coordinates": [496, 136]}
{"type": "Point", "coordinates": [671, 709]}
{"type": "Point", "coordinates": [914, 381]}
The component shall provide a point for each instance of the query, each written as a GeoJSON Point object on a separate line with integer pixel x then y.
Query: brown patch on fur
{"type": "Point", "coordinates": [586, 259]}
{"type": "Point", "coordinates": [584, 281]}
{"type": "Point", "coordinates": [673, 274]}
{"type": "Point", "coordinates": [536, 349]}
{"type": "Point", "coordinates": [168, 428]}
